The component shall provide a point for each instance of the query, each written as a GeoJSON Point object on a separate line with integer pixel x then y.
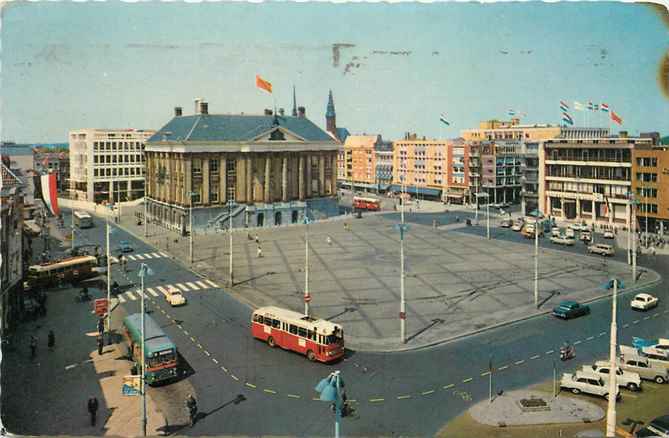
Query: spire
{"type": "Point", "coordinates": [331, 108]}
{"type": "Point", "coordinates": [294, 103]}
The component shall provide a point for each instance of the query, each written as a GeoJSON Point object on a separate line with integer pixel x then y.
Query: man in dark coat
{"type": "Point", "coordinates": [100, 345]}
{"type": "Point", "coordinates": [93, 409]}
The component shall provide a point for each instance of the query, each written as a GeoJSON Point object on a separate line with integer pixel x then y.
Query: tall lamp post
{"type": "Point", "coordinates": [613, 385]}
{"type": "Point", "coordinates": [487, 211]}
{"type": "Point", "coordinates": [190, 226]}
{"type": "Point", "coordinates": [72, 228]}
{"type": "Point", "coordinates": [536, 259]}
{"type": "Point", "coordinates": [632, 233]}
{"type": "Point", "coordinates": [307, 296]}
{"type": "Point", "coordinates": [402, 228]}
{"type": "Point", "coordinates": [144, 270]}
{"type": "Point", "coordinates": [331, 389]}
{"type": "Point", "coordinates": [230, 274]}
{"type": "Point", "coordinates": [146, 219]}
{"type": "Point", "coordinates": [109, 278]}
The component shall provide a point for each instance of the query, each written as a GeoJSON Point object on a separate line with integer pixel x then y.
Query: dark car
{"type": "Point", "coordinates": [124, 246]}
{"type": "Point", "coordinates": [659, 427]}
{"type": "Point", "coordinates": [570, 309]}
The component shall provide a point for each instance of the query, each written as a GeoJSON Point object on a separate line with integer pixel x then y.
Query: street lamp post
{"type": "Point", "coordinates": [230, 203]}
{"type": "Point", "coordinates": [146, 219]}
{"type": "Point", "coordinates": [402, 228]}
{"type": "Point", "coordinates": [331, 390]}
{"type": "Point", "coordinates": [307, 296]}
{"type": "Point", "coordinates": [613, 385]}
{"type": "Point", "coordinates": [109, 278]}
{"type": "Point", "coordinates": [536, 262]}
{"type": "Point", "coordinates": [72, 228]}
{"type": "Point", "coordinates": [632, 233]}
{"type": "Point", "coordinates": [190, 226]}
{"type": "Point", "coordinates": [143, 271]}
{"type": "Point", "coordinates": [487, 211]}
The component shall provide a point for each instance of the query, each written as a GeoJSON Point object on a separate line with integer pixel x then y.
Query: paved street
{"type": "Point", "coordinates": [411, 393]}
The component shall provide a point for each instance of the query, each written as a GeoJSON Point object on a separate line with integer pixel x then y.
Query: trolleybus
{"type": "Point", "coordinates": [318, 339]}
{"type": "Point", "coordinates": [83, 219]}
{"type": "Point", "coordinates": [160, 352]}
{"type": "Point", "coordinates": [371, 204]}
{"type": "Point", "coordinates": [71, 269]}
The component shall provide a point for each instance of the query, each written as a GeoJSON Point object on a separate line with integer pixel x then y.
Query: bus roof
{"type": "Point", "coordinates": [321, 326]}
{"type": "Point", "coordinates": [70, 261]}
{"type": "Point", "coordinates": [79, 213]}
{"type": "Point", "coordinates": [362, 198]}
{"type": "Point", "coordinates": [155, 338]}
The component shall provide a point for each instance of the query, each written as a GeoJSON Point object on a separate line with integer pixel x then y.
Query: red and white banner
{"type": "Point", "coordinates": [46, 189]}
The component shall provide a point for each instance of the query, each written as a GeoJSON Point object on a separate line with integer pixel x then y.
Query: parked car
{"type": "Point", "coordinates": [569, 232]}
{"type": "Point", "coordinates": [625, 379]}
{"type": "Point", "coordinates": [642, 366]}
{"type": "Point", "coordinates": [658, 427]}
{"type": "Point", "coordinates": [586, 382]}
{"type": "Point", "coordinates": [608, 234]}
{"type": "Point", "coordinates": [124, 246]}
{"type": "Point", "coordinates": [586, 236]}
{"type": "Point", "coordinates": [579, 227]}
{"type": "Point", "coordinates": [570, 309]}
{"type": "Point", "coordinates": [601, 249]}
{"type": "Point", "coordinates": [563, 240]}
{"type": "Point", "coordinates": [656, 358]}
{"type": "Point", "coordinates": [644, 302]}
{"type": "Point", "coordinates": [175, 297]}
{"type": "Point", "coordinates": [506, 223]}
{"type": "Point", "coordinates": [517, 226]}
{"type": "Point", "coordinates": [555, 232]}
{"type": "Point", "coordinates": [528, 231]}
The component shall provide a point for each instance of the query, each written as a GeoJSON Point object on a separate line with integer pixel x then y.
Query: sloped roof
{"type": "Point", "coordinates": [225, 127]}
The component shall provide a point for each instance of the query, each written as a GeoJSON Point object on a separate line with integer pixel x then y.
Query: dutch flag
{"type": "Point", "coordinates": [563, 106]}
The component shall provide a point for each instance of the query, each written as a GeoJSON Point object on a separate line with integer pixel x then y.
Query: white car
{"type": "Point", "coordinates": [175, 297]}
{"type": "Point", "coordinates": [644, 302]}
{"type": "Point", "coordinates": [625, 379]}
{"type": "Point", "coordinates": [517, 226]}
{"type": "Point", "coordinates": [555, 232]}
{"type": "Point", "coordinates": [608, 234]}
{"type": "Point", "coordinates": [587, 382]}
{"type": "Point", "coordinates": [569, 232]}
{"type": "Point", "coordinates": [579, 227]}
{"type": "Point", "coordinates": [563, 240]}
{"type": "Point", "coordinates": [601, 249]}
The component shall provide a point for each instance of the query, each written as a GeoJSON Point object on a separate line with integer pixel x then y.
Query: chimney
{"type": "Point", "coordinates": [178, 111]}
{"type": "Point", "coordinates": [204, 107]}
{"type": "Point", "coordinates": [197, 104]}
{"type": "Point", "coordinates": [268, 112]}
{"type": "Point", "coordinates": [301, 112]}
{"type": "Point", "coordinates": [281, 112]}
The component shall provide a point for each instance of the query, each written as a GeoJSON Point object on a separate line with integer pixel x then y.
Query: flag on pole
{"type": "Point", "coordinates": [261, 83]}
{"type": "Point", "coordinates": [590, 106]}
{"type": "Point", "coordinates": [563, 106]}
{"type": "Point", "coordinates": [604, 107]}
{"type": "Point", "coordinates": [512, 113]}
{"type": "Point", "coordinates": [616, 118]}
{"type": "Point", "coordinates": [566, 118]}
{"type": "Point", "coordinates": [443, 120]}
{"type": "Point", "coordinates": [578, 106]}
{"type": "Point", "coordinates": [596, 107]}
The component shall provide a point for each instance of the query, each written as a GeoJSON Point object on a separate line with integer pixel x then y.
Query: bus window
{"type": "Point", "coordinates": [276, 323]}
{"type": "Point", "coordinates": [293, 329]}
{"type": "Point", "coordinates": [301, 331]}
{"type": "Point", "coordinates": [311, 335]}
{"type": "Point", "coordinates": [268, 321]}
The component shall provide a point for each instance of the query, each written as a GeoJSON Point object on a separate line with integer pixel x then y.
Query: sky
{"type": "Point", "coordinates": [392, 68]}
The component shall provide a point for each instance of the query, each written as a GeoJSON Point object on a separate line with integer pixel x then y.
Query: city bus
{"type": "Point", "coordinates": [83, 219]}
{"type": "Point", "coordinates": [318, 339]}
{"type": "Point", "coordinates": [71, 269]}
{"type": "Point", "coordinates": [371, 204]}
{"type": "Point", "coordinates": [161, 353]}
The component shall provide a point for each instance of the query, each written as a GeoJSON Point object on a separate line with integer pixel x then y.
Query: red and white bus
{"type": "Point", "coordinates": [318, 339]}
{"type": "Point", "coordinates": [372, 204]}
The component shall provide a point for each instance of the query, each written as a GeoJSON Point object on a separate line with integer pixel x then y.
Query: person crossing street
{"type": "Point", "coordinates": [191, 405]}
{"type": "Point", "coordinates": [51, 342]}
{"type": "Point", "coordinates": [93, 409]}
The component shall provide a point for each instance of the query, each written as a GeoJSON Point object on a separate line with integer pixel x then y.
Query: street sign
{"type": "Point", "coordinates": [101, 306]}
{"type": "Point", "coordinates": [131, 385]}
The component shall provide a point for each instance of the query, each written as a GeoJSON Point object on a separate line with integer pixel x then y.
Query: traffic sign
{"type": "Point", "coordinates": [403, 315]}
{"type": "Point", "coordinates": [307, 298]}
{"type": "Point", "coordinates": [101, 306]}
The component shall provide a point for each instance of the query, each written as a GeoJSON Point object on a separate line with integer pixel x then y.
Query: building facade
{"type": "Point", "coordinates": [360, 153]}
{"type": "Point", "coordinates": [650, 171]}
{"type": "Point", "coordinates": [253, 170]}
{"type": "Point", "coordinates": [588, 179]}
{"type": "Point", "coordinates": [384, 165]}
{"type": "Point", "coordinates": [11, 246]}
{"type": "Point", "coordinates": [107, 165]}
{"type": "Point", "coordinates": [420, 166]}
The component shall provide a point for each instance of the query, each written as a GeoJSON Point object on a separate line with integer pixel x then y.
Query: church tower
{"type": "Point", "coordinates": [331, 117]}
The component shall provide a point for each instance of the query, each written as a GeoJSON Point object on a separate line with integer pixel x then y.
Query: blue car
{"type": "Point", "coordinates": [570, 309]}
{"type": "Point", "coordinates": [124, 246]}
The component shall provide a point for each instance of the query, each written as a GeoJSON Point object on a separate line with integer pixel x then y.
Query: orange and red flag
{"type": "Point", "coordinates": [616, 118]}
{"type": "Point", "coordinates": [261, 83]}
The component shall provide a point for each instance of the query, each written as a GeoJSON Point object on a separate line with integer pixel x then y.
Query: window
{"type": "Point", "coordinates": [276, 323]}
{"type": "Point", "coordinates": [292, 329]}
{"type": "Point", "coordinates": [213, 166]}
{"type": "Point", "coordinates": [257, 318]}
{"type": "Point", "coordinates": [213, 193]}
{"type": "Point", "coordinates": [268, 321]}
{"type": "Point", "coordinates": [302, 332]}
{"type": "Point", "coordinates": [196, 166]}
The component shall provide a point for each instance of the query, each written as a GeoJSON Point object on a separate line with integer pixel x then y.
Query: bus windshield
{"type": "Point", "coordinates": [162, 357]}
{"type": "Point", "coordinates": [332, 339]}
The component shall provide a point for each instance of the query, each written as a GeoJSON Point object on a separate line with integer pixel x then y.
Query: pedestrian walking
{"type": "Point", "coordinates": [191, 405]}
{"type": "Point", "coordinates": [257, 239]}
{"type": "Point", "coordinates": [100, 345]}
{"type": "Point", "coordinates": [329, 240]}
{"type": "Point", "coordinates": [259, 252]}
{"type": "Point", "coordinates": [93, 409]}
{"type": "Point", "coordinates": [33, 346]}
{"type": "Point", "coordinates": [101, 326]}
{"type": "Point", "coordinates": [51, 340]}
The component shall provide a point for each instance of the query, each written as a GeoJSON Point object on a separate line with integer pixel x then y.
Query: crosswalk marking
{"type": "Point", "coordinates": [131, 257]}
{"type": "Point", "coordinates": [163, 290]}
{"type": "Point", "coordinates": [121, 299]}
{"type": "Point", "coordinates": [148, 256]}
{"type": "Point", "coordinates": [151, 291]}
{"type": "Point", "coordinates": [202, 285]}
{"type": "Point", "coordinates": [155, 254]}
{"type": "Point", "coordinates": [163, 254]}
{"type": "Point", "coordinates": [192, 285]}
{"type": "Point", "coordinates": [211, 283]}
{"type": "Point", "coordinates": [139, 257]}
{"type": "Point", "coordinates": [182, 287]}
{"type": "Point", "coordinates": [131, 296]}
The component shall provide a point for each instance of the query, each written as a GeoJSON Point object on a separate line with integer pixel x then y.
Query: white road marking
{"type": "Point", "coordinates": [202, 285]}
{"type": "Point", "coordinates": [519, 362]}
{"type": "Point", "coordinates": [163, 254]}
{"type": "Point", "coordinates": [131, 257]}
{"type": "Point", "coordinates": [636, 322]}
{"type": "Point", "coordinates": [162, 290]}
{"type": "Point", "coordinates": [214, 359]}
{"type": "Point", "coordinates": [431, 391]}
{"type": "Point", "coordinates": [485, 374]}
{"type": "Point", "coordinates": [139, 257]}
{"type": "Point", "coordinates": [130, 295]}
{"type": "Point", "coordinates": [589, 338]}
{"type": "Point", "coordinates": [155, 254]}
{"type": "Point", "coordinates": [602, 334]}
{"type": "Point", "coordinates": [192, 285]}
{"type": "Point", "coordinates": [536, 356]}
{"type": "Point", "coordinates": [182, 287]}
{"type": "Point", "coordinates": [296, 396]}
{"type": "Point", "coordinates": [467, 380]}
{"type": "Point", "coordinates": [449, 386]}
{"type": "Point", "coordinates": [147, 255]}
{"type": "Point", "coordinates": [121, 299]}
{"type": "Point", "coordinates": [139, 293]}
{"type": "Point", "coordinates": [503, 367]}
{"type": "Point", "coordinates": [211, 283]}
{"type": "Point", "coordinates": [549, 352]}
{"type": "Point", "coordinates": [577, 342]}
{"type": "Point", "coordinates": [402, 397]}
{"type": "Point", "coordinates": [151, 291]}
{"type": "Point", "coordinates": [625, 325]}
{"type": "Point", "coordinates": [646, 317]}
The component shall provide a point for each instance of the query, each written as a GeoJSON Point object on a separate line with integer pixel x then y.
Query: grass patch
{"type": "Point", "coordinates": [652, 402]}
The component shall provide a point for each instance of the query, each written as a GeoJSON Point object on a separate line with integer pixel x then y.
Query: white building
{"type": "Point", "coordinates": [107, 164]}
